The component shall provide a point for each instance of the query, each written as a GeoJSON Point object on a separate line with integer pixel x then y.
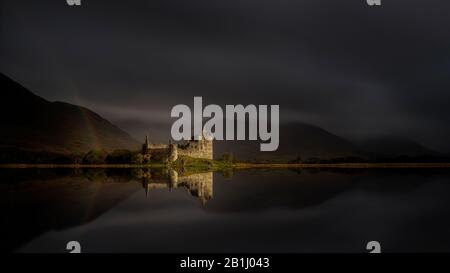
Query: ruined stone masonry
{"type": "Point", "coordinates": [202, 147]}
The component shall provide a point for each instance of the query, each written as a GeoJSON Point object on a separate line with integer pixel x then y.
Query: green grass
{"type": "Point", "coordinates": [189, 165]}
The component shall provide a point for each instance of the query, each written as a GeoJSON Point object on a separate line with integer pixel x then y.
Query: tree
{"type": "Point", "coordinates": [120, 157]}
{"type": "Point", "coordinates": [137, 159]}
{"type": "Point", "coordinates": [95, 157]}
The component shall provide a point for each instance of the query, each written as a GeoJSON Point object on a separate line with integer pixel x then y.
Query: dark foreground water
{"type": "Point", "coordinates": [245, 211]}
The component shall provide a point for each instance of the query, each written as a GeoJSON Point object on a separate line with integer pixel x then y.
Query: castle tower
{"type": "Point", "coordinates": [207, 145]}
{"type": "Point", "coordinates": [173, 152]}
{"type": "Point", "coordinates": [145, 146]}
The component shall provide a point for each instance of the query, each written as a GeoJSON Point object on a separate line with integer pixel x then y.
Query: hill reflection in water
{"type": "Point", "coordinates": [158, 210]}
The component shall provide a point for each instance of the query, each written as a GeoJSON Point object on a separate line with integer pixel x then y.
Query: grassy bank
{"type": "Point", "coordinates": [189, 164]}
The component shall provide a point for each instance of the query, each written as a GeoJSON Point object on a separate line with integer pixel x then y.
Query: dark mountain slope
{"type": "Point", "coordinates": [393, 146]}
{"type": "Point", "coordinates": [296, 140]}
{"type": "Point", "coordinates": [32, 123]}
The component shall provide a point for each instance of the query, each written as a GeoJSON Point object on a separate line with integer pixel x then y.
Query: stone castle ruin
{"type": "Point", "coordinates": [199, 147]}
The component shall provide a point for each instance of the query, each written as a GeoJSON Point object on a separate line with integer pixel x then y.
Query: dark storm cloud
{"type": "Point", "coordinates": [352, 69]}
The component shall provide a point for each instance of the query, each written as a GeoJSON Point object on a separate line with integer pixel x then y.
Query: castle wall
{"type": "Point", "coordinates": [162, 152]}
{"type": "Point", "coordinates": [197, 149]}
{"type": "Point", "coordinates": [157, 146]}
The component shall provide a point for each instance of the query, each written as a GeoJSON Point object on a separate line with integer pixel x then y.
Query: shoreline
{"type": "Point", "coordinates": [79, 166]}
{"type": "Point", "coordinates": [342, 165]}
{"type": "Point", "coordinates": [238, 166]}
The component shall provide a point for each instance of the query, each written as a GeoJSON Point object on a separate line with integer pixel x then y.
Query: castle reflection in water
{"type": "Point", "coordinates": [199, 185]}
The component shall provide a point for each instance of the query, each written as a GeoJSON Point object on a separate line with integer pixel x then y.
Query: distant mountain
{"type": "Point", "coordinates": [393, 146]}
{"type": "Point", "coordinates": [31, 123]}
{"type": "Point", "coordinates": [296, 140]}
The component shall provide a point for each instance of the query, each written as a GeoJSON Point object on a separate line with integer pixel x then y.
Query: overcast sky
{"type": "Point", "coordinates": [352, 69]}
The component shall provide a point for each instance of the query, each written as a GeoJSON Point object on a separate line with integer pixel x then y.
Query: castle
{"type": "Point", "coordinates": [200, 147]}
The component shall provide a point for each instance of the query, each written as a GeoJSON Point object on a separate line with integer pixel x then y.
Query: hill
{"type": "Point", "coordinates": [31, 123]}
{"type": "Point", "coordinates": [296, 140]}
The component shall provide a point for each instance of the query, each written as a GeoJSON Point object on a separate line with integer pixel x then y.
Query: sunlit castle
{"type": "Point", "coordinates": [198, 147]}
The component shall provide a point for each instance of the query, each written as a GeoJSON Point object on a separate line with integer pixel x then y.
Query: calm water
{"type": "Point", "coordinates": [245, 211]}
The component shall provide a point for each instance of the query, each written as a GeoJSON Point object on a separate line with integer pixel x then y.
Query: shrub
{"type": "Point", "coordinates": [137, 159]}
{"type": "Point", "coordinates": [95, 157]}
{"type": "Point", "coordinates": [120, 157]}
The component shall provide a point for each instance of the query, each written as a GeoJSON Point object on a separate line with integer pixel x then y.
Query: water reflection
{"type": "Point", "coordinates": [159, 210]}
{"type": "Point", "coordinates": [199, 185]}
